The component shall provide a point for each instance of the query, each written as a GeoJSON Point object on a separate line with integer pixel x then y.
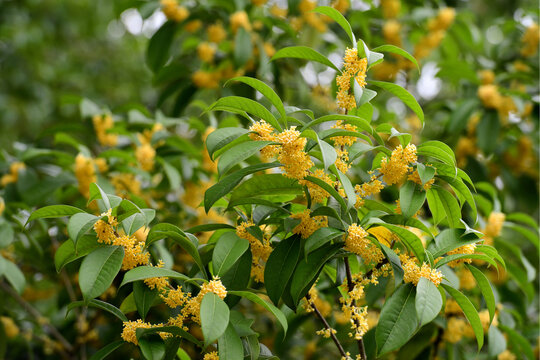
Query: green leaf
{"type": "Point", "coordinates": [7, 235]}
{"type": "Point", "coordinates": [243, 48]}
{"type": "Point", "coordinates": [98, 270]}
{"type": "Point", "coordinates": [320, 238]}
{"type": "Point", "coordinates": [144, 297]}
{"type": "Point", "coordinates": [145, 272]}
{"type": "Point", "coordinates": [364, 96]}
{"type": "Point", "coordinates": [239, 153]}
{"type": "Point", "coordinates": [187, 241]}
{"type": "Point", "coordinates": [428, 301]}
{"type": "Point", "coordinates": [393, 259]}
{"type": "Point", "coordinates": [13, 275]}
{"type": "Point", "coordinates": [240, 105]}
{"type": "Point", "coordinates": [437, 150]}
{"type": "Point", "coordinates": [79, 224]}
{"type": "Point", "coordinates": [329, 154]}
{"type": "Point", "coordinates": [228, 250]}
{"type": "Point", "coordinates": [403, 95]}
{"type": "Point", "coordinates": [470, 313]}
{"type": "Point", "coordinates": [172, 175]}
{"type": "Point", "coordinates": [396, 50]}
{"type": "Point", "coordinates": [152, 347]}
{"type": "Point", "coordinates": [449, 204]}
{"type": "Point", "coordinates": [230, 345]}
{"type": "Point", "coordinates": [518, 340]}
{"type": "Point", "coordinates": [280, 266]}
{"type": "Point", "coordinates": [133, 223]}
{"type": "Point", "coordinates": [349, 189]}
{"type": "Point", "coordinates": [256, 299]}
{"type": "Point", "coordinates": [488, 131]}
{"type": "Point", "coordinates": [411, 198]}
{"type": "Point", "coordinates": [445, 260]}
{"type": "Point", "coordinates": [330, 189]}
{"type": "Point", "coordinates": [217, 139]}
{"type": "Point", "coordinates": [208, 227]}
{"type": "Point", "coordinates": [303, 52]}
{"type": "Point", "coordinates": [228, 183]}
{"type": "Point", "coordinates": [264, 89]}
{"type": "Point", "coordinates": [410, 239]}
{"type": "Point", "coordinates": [349, 119]}
{"type": "Point", "coordinates": [425, 173]}
{"type": "Point", "coordinates": [214, 317]}
{"type": "Point", "coordinates": [485, 287]}
{"type": "Point", "coordinates": [522, 218]}
{"type": "Point", "coordinates": [339, 18]}
{"type": "Point", "coordinates": [398, 219]}
{"type": "Point", "coordinates": [105, 201]}
{"type": "Point", "coordinates": [496, 341]}
{"type": "Point", "coordinates": [53, 211]}
{"type": "Point", "coordinates": [107, 350]}
{"type": "Point", "coordinates": [266, 184]}
{"type": "Point", "coordinates": [460, 188]}
{"type": "Point", "coordinates": [398, 320]}
{"type": "Point", "coordinates": [435, 206]}
{"type": "Point", "coordinates": [67, 253]}
{"type": "Point", "coordinates": [450, 239]}
{"type": "Point", "coordinates": [308, 270]}
{"type": "Point", "coordinates": [111, 309]}
{"type": "Point", "coordinates": [159, 45]}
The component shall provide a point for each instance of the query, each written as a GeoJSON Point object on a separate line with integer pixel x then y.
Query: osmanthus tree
{"type": "Point", "coordinates": [307, 232]}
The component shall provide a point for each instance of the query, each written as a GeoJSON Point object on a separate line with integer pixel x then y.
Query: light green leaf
{"type": "Point", "coordinates": [256, 299]}
{"type": "Point", "coordinates": [428, 301]}
{"type": "Point", "coordinates": [437, 150]}
{"type": "Point", "coordinates": [403, 95]}
{"type": "Point", "coordinates": [146, 272]}
{"type": "Point", "coordinates": [339, 18]}
{"type": "Point", "coordinates": [228, 250]}
{"type": "Point", "coordinates": [230, 345]}
{"type": "Point", "coordinates": [398, 320]}
{"type": "Point", "coordinates": [470, 313]}
{"type": "Point", "coordinates": [396, 50]}
{"type": "Point", "coordinates": [79, 224]}
{"type": "Point", "coordinates": [239, 105]}
{"type": "Point", "coordinates": [266, 184]}
{"type": "Point", "coordinates": [54, 211]}
{"type": "Point", "coordinates": [13, 275]}
{"type": "Point", "coordinates": [329, 154]}
{"type": "Point", "coordinates": [239, 153]}
{"type": "Point", "coordinates": [450, 206]}
{"type": "Point", "coordinates": [214, 317]}
{"type": "Point", "coordinates": [304, 52]}
{"type": "Point", "coordinates": [111, 309]}
{"type": "Point", "coordinates": [411, 198]}
{"type": "Point", "coordinates": [264, 89]}
{"type": "Point", "coordinates": [485, 287]}
{"type": "Point", "coordinates": [98, 270]}
{"type": "Point", "coordinates": [217, 139]}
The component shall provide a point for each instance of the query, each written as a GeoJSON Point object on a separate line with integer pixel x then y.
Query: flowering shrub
{"type": "Point", "coordinates": [251, 228]}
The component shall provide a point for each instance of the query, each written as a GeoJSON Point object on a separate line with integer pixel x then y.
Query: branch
{"type": "Point", "coordinates": [36, 314]}
{"type": "Point", "coordinates": [326, 326]}
{"type": "Point", "coordinates": [350, 284]}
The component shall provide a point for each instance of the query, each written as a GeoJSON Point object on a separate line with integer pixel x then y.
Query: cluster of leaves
{"type": "Point", "coordinates": [185, 185]}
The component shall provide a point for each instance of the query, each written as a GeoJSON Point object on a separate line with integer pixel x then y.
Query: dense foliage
{"type": "Point", "coordinates": [340, 181]}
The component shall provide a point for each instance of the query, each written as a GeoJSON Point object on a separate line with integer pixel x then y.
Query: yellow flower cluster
{"type": "Point", "coordinates": [296, 162]}
{"type": "Point", "coordinates": [455, 329]}
{"type": "Point", "coordinates": [506, 355]}
{"type": "Point", "coordinates": [216, 33]}
{"type": "Point", "coordinates": [211, 356]}
{"type": "Point", "coordinates": [2, 205]}
{"type": "Point", "coordinates": [134, 253]}
{"type": "Point", "coordinates": [324, 307]}
{"type": "Point", "coordinates": [260, 250]}
{"type": "Point", "coordinates": [307, 16]}
{"type": "Point", "coordinates": [145, 155]}
{"type": "Point", "coordinates": [357, 242]}
{"type": "Point", "coordinates": [10, 328]}
{"type": "Point", "coordinates": [372, 187]}
{"type": "Point", "coordinates": [308, 224]}
{"type": "Point", "coordinates": [326, 333]}
{"type": "Point", "coordinates": [413, 272]}
{"type": "Point", "coordinates": [263, 131]}
{"type": "Point", "coordinates": [437, 30]}
{"type": "Point", "coordinates": [357, 315]}
{"type": "Point", "coordinates": [490, 96]}
{"type": "Point", "coordinates": [392, 32]}
{"type": "Point", "coordinates": [487, 77]}
{"type": "Point", "coordinates": [493, 227]}
{"type": "Point", "coordinates": [193, 26]}
{"type": "Point", "coordinates": [465, 147]}
{"type": "Point", "coordinates": [85, 173]}
{"type": "Point", "coordinates": [344, 140]}
{"type": "Point", "coordinates": [530, 40]}
{"type": "Point", "coordinates": [206, 52]}
{"type": "Point", "coordinates": [238, 20]}
{"type": "Point", "coordinates": [394, 170]}
{"type": "Point", "coordinates": [415, 177]}
{"type": "Point", "coordinates": [103, 123]}
{"type": "Point", "coordinates": [192, 307]}
{"type": "Point", "coordinates": [466, 279]}
{"type": "Point", "coordinates": [173, 11]}
{"type": "Point", "coordinates": [342, 161]}
{"type": "Point", "coordinates": [13, 175]}
{"type": "Point", "coordinates": [390, 8]}
{"type": "Point", "coordinates": [129, 332]}
{"type": "Point", "coordinates": [160, 283]}
{"type": "Point", "coordinates": [356, 68]}
{"type": "Point", "coordinates": [125, 184]}
{"type": "Point", "coordinates": [465, 249]}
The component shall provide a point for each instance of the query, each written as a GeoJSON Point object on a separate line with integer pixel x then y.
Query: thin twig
{"type": "Point", "coordinates": [326, 326]}
{"type": "Point", "coordinates": [350, 284]}
{"type": "Point", "coordinates": [36, 314]}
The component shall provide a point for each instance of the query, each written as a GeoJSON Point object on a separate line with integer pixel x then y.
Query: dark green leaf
{"type": "Point", "coordinates": [214, 317]}
{"type": "Point", "coordinates": [280, 266]}
{"type": "Point", "coordinates": [98, 270]}
{"type": "Point", "coordinates": [303, 52]}
{"type": "Point", "coordinates": [228, 250]}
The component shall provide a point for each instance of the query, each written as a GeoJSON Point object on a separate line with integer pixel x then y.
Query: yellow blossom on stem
{"type": "Point", "coordinates": [205, 79]}
{"type": "Point", "coordinates": [260, 250]}
{"type": "Point", "coordinates": [356, 68]}
{"type": "Point", "coordinates": [394, 170]}
{"type": "Point", "coordinates": [173, 11]}
{"type": "Point", "coordinates": [103, 123]}
{"type": "Point", "coordinates": [216, 33]}
{"type": "Point", "coordinates": [317, 193]}
{"type": "Point", "coordinates": [85, 173]}
{"type": "Point", "coordinates": [415, 177]}
{"type": "Point", "coordinates": [263, 131]}
{"type": "Point", "coordinates": [129, 332]}
{"type": "Point", "coordinates": [296, 162]}
{"type": "Point", "coordinates": [390, 8]}
{"type": "Point", "coordinates": [413, 272]}
{"type": "Point", "coordinates": [308, 224]}
{"type": "Point", "coordinates": [10, 328]}
{"type": "Point", "coordinates": [239, 19]}
{"type": "Point", "coordinates": [357, 242]}
{"type": "Point", "coordinates": [211, 356]}
{"type": "Point", "coordinates": [455, 329]}
{"type": "Point", "coordinates": [206, 52]}
{"type": "Point", "coordinates": [344, 140]}
{"type": "Point", "coordinates": [465, 249]}
{"type": "Point", "coordinates": [530, 40]}
{"type": "Point", "coordinates": [145, 155]}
